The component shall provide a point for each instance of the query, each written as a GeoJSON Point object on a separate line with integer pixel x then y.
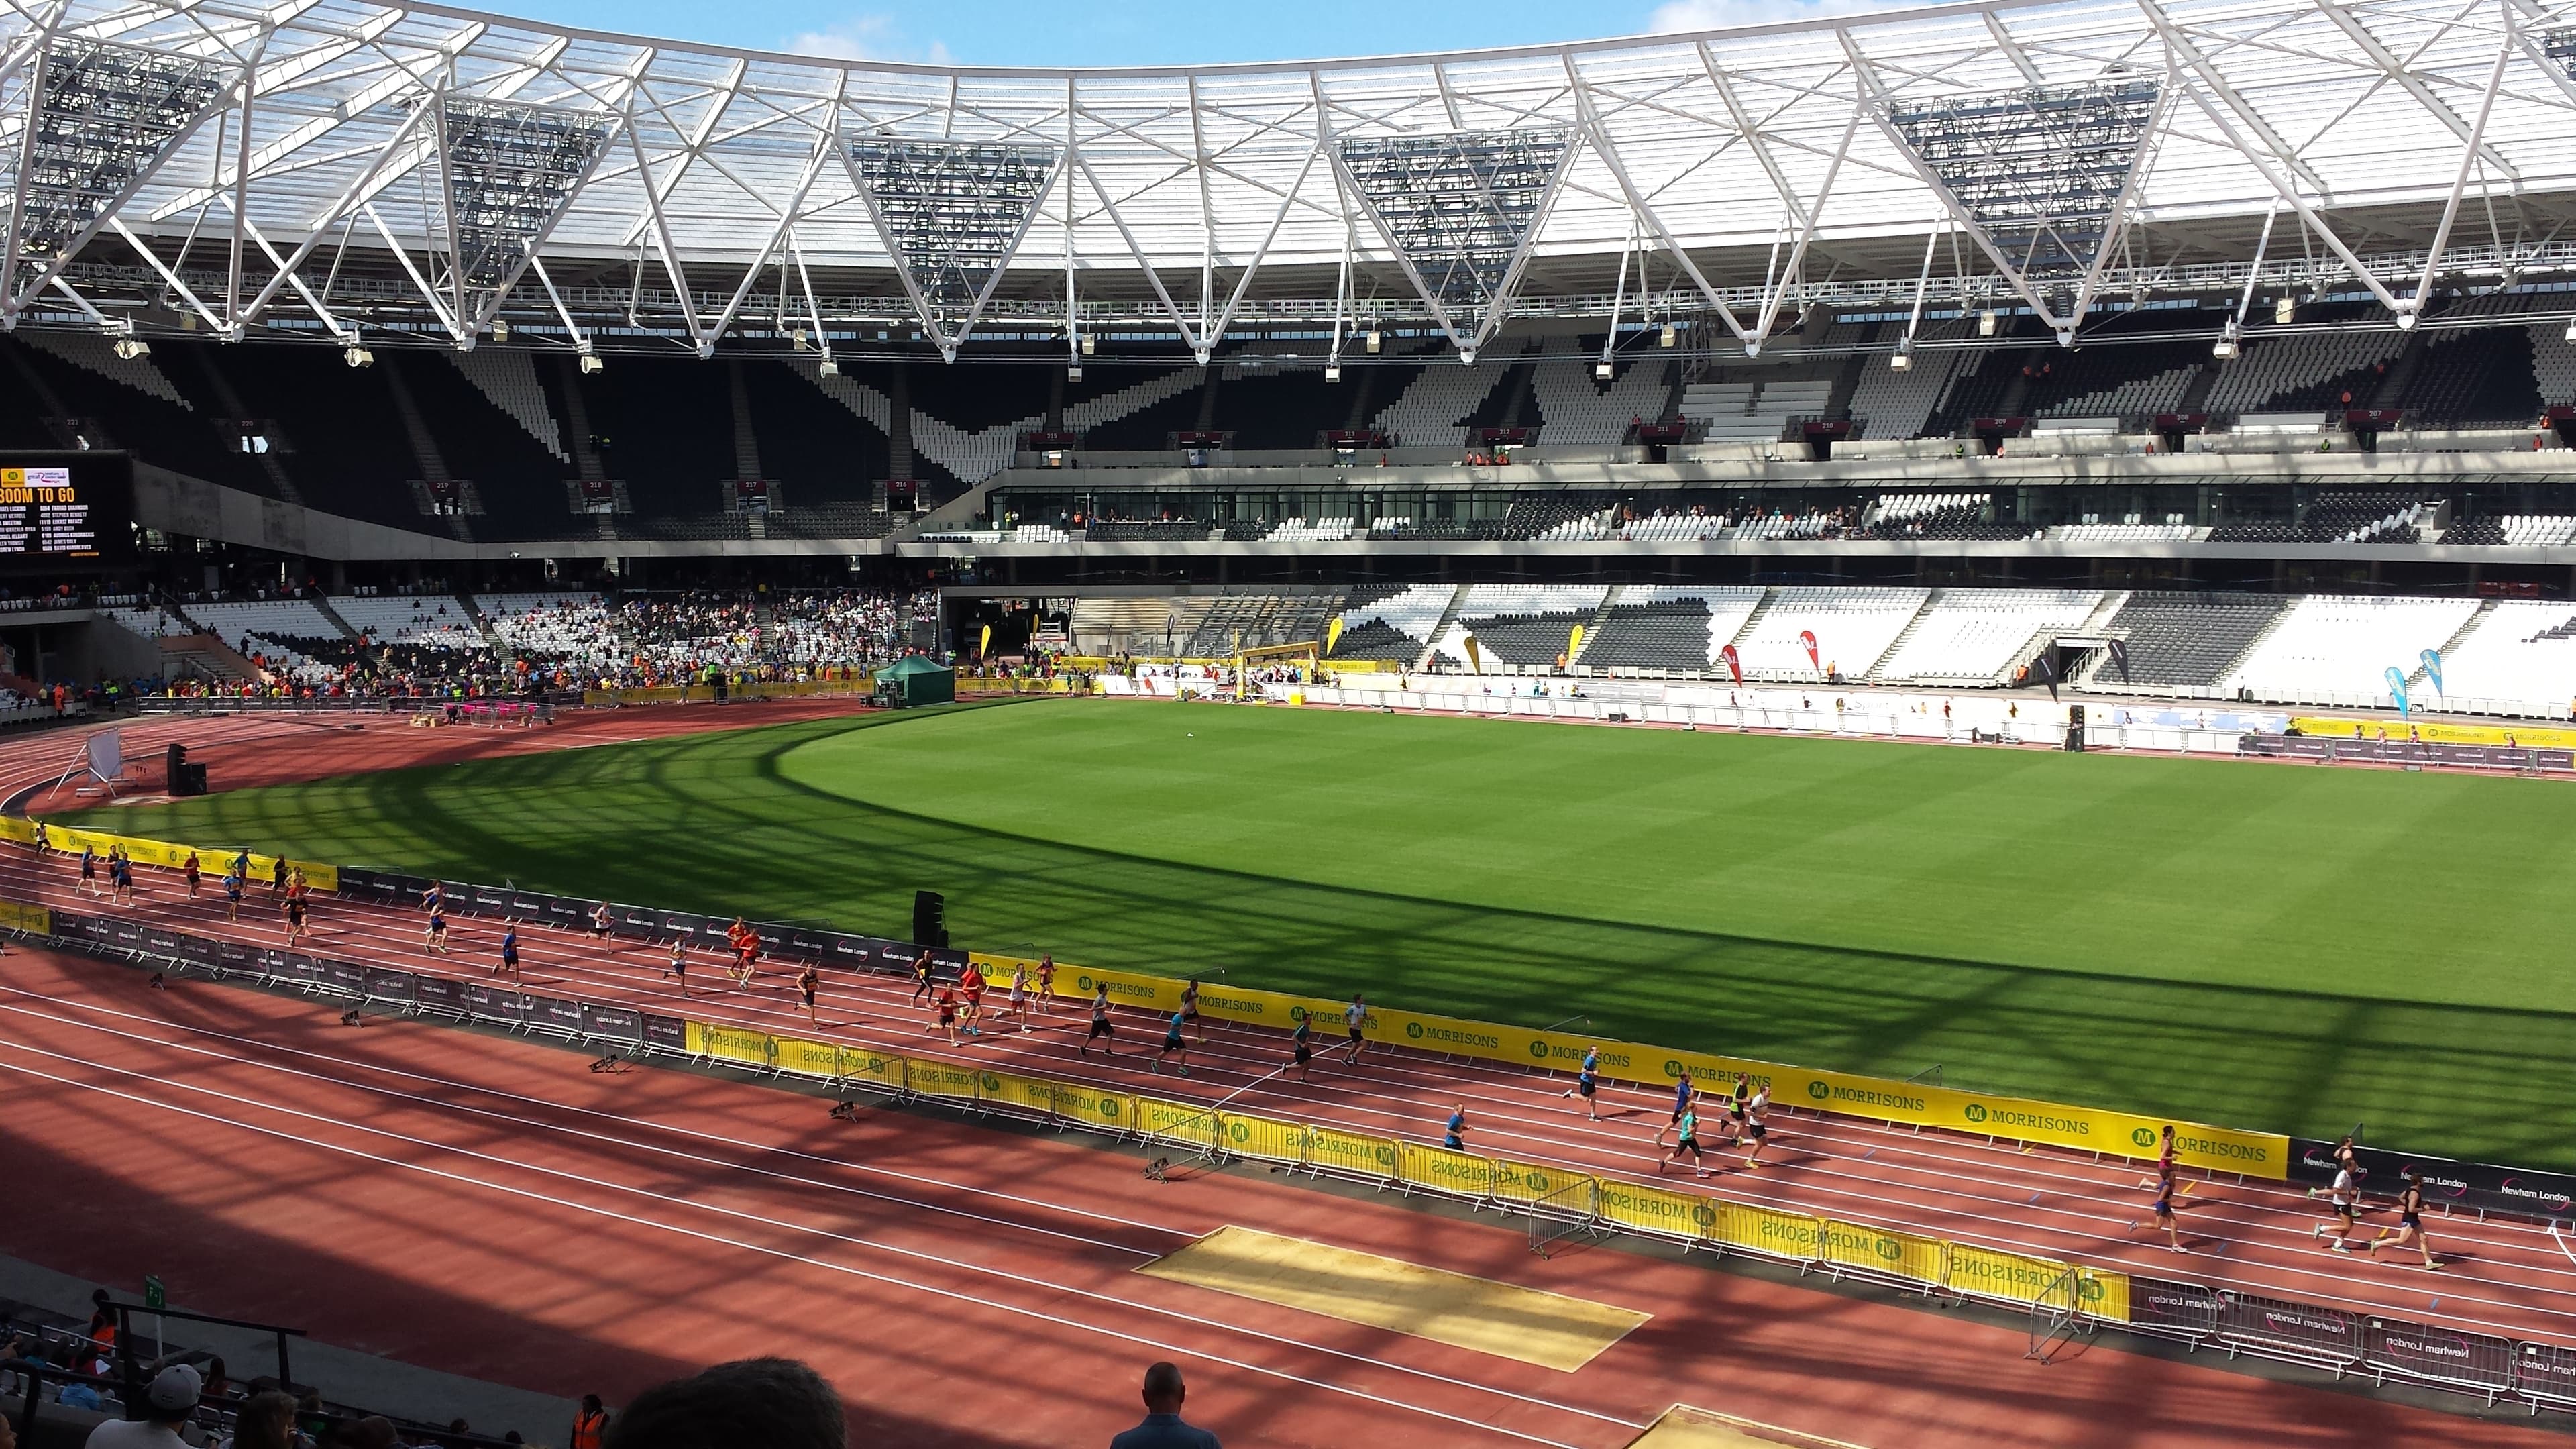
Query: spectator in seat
{"type": "Point", "coordinates": [166, 1405]}
{"type": "Point", "coordinates": [1163, 1429]}
{"type": "Point", "coordinates": [266, 1421]}
{"type": "Point", "coordinates": [773, 1402]}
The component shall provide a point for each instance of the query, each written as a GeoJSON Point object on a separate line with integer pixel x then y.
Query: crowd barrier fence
{"type": "Point", "coordinates": [2337, 1340]}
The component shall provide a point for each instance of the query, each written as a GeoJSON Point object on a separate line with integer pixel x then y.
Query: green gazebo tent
{"type": "Point", "coordinates": [915, 680]}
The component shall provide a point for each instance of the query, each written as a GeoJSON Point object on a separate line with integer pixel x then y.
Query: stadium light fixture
{"type": "Point", "coordinates": [2406, 321]}
{"type": "Point", "coordinates": [1332, 372]}
{"type": "Point", "coordinates": [2284, 310]}
{"type": "Point", "coordinates": [1601, 371]}
{"type": "Point", "coordinates": [500, 330]}
{"type": "Point", "coordinates": [798, 340]}
{"type": "Point", "coordinates": [827, 367]}
{"type": "Point", "coordinates": [1986, 323]}
{"type": "Point", "coordinates": [591, 366]}
{"type": "Point", "coordinates": [1090, 343]}
{"type": "Point", "coordinates": [2224, 349]}
{"type": "Point", "coordinates": [2571, 330]}
{"type": "Point", "coordinates": [1373, 342]}
{"type": "Point", "coordinates": [1900, 361]}
{"type": "Point", "coordinates": [357, 356]}
{"type": "Point", "coordinates": [1073, 373]}
{"type": "Point", "coordinates": [1672, 335]}
{"type": "Point", "coordinates": [131, 348]}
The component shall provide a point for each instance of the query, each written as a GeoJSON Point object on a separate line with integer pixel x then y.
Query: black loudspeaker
{"type": "Point", "coordinates": [2075, 729]}
{"type": "Point", "coordinates": [184, 778]}
{"type": "Point", "coordinates": [929, 919]}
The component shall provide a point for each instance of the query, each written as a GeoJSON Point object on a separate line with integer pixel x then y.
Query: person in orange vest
{"type": "Point", "coordinates": [590, 1426]}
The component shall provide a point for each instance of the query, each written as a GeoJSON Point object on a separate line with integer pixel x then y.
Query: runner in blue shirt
{"type": "Point", "coordinates": [510, 952]}
{"type": "Point", "coordinates": [1174, 1042]}
{"type": "Point", "coordinates": [1683, 1091]}
{"type": "Point", "coordinates": [1589, 1082]}
{"type": "Point", "coordinates": [1456, 1141]}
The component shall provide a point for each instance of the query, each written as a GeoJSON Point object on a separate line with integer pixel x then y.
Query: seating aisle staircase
{"type": "Point", "coordinates": [1448, 616]}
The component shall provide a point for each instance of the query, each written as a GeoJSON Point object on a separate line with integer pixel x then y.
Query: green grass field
{"type": "Point", "coordinates": [2260, 945]}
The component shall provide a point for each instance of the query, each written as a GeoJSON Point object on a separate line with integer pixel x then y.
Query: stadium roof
{"type": "Point", "coordinates": [327, 167]}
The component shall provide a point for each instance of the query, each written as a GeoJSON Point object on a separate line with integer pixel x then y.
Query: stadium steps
{"type": "Point", "coordinates": [1897, 645]}
{"type": "Point", "coordinates": [1592, 626]}
{"type": "Point", "coordinates": [482, 626]}
{"type": "Point", "coordinates": [1717, 647]}
{"type": "Point", "coordinates": [2459, 636]}
{"type": "Point", "coordinates": [1448, 616]}
{"type": "Point", "coordinates": [746, 443]}
{"type": "Point", "coordinates": [208, 655]}
{"type": "Point", "coordinates": [322, 606]}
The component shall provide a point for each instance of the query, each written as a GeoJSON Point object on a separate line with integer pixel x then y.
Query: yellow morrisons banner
{"type": "Point", "coordinates": [213, 859]}
{"type": "Point", "coordinates": [2055, 1124]}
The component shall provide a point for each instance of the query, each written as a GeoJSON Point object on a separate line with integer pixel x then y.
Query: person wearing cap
{"type": "Point", "coordinates": [166, 1405]}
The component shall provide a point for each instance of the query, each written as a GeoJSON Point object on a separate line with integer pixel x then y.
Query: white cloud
{"type": "Point", "coordinates": [1675, 15]}
{"type": "Point", "coordinates": [867, 37]}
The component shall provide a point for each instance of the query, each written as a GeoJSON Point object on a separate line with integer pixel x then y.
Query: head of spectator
{"type": "Point", "coordinates": [1163, 1429]}
{"type": "Point", "coordinates": [775, 1402]}
{"type": "Point", "coordinates": [372, 1432]}
{"type": "Point", "coordinates": [266, 1421]}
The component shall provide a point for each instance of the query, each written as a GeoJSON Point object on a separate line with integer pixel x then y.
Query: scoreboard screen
{"type": "Point", "coordinates": [72, 507]}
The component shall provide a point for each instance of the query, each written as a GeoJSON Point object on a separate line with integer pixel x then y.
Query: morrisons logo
{"type": "Point", "coordinates": [1452, 1036]}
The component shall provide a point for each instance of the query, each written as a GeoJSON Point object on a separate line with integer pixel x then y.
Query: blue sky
{"type": "Point", "coordinates": [1144, 32]}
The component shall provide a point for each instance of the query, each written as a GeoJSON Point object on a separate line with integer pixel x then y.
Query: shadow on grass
{"type": "Point", "coordinates": [712, 823]}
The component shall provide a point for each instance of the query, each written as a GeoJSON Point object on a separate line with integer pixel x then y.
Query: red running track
{"type": "Point", "coordinates": [2500, 1276]}
{"type": "Point", "coordinates": [488, 1207]}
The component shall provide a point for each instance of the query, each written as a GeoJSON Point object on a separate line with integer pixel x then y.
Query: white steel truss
{"type": "Point", "coordinates": [344, 163]}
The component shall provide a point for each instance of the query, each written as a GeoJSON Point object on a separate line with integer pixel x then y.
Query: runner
{"type": "Point", "coordinates": [808, 981]}
{"type": "Point", "coordinates": [510, 951]}
{"type": "Point", "coordinates": [241, 864]}
{"type": "Point", "coordinates": [89, 869]}
{"type": "Point", "coordinates": [434, 897]}
{"type": "Point", "coordinates": [120, 876]}
{"type": "Point", "coordinates": [970, 1015]}
{"type": "Point", "coordinates": [601, 922]}
{"type": "Point", "coordinates": [1020, 993]}
{"type": "Point", "coordinates": [1754, 1127]}
{"type": "Point", "coordinates": [1190, 1008]}
{"type": "Point", "coordinates": [1683, 1090]}
{"type": "Point", "coordinates": [435, 941]}
{"type": "Point", "coordinates": [194, 872]}
{"type": "Point", "coordinates": [2410, 1222]}
{"type": "Point", "coordinates": [44, 842]}
{"type": "Point", "coordinates": [678, 967]}
{"type": "Point", "coordinates": [294, 920]}
{"type": "Point", "coordinates": [1046, 982]}
{"type": "Point", "coordinates": [2163, 1183]}
{"type": "Point", "coordinates": [1101, 1031]}
{"type": "Point", "coordinates": [2164, 1159]}
{"type": "Point", "coordinates": [948, 1013]}
{"type": "Point", "coordinates": [1688, 1142]}
{"type": "Point", "coordinates": [1456, 1140]}
{"type": "Point", "coordinates": [746, 951]}
{"type": "Point", "coordinates": [277, 878]}
{"type": "Point", "coordinates": [972, 982]}
{"type": "Point", "coordinates": [1356, 1015]}
{"type": "Point", "coordinates": [1304, 1040]}
{"type": "Point", "coordinates": [232, 895]}
{"type": "Point", "coordinates": [1587, 1082]}
{"type": "Point", "coordinates": [921, 978]}
{"type": "Point", "coordinates": [1736, 1106]}
{"type": "Point", "coordinates": [2344, 1197]}
{"type": "Point", "coordinates": [1174, 1042]}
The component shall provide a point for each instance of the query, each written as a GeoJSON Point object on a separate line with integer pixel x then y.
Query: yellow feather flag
{"type": "Point", "coordinates": [1475, 660]}
{"type": "Point", "coordinates": [1573, 643]}
{"type": "Point", "coordinates": [1332, 634]}
{"type": "Point", "coordinates": [986, 647]}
